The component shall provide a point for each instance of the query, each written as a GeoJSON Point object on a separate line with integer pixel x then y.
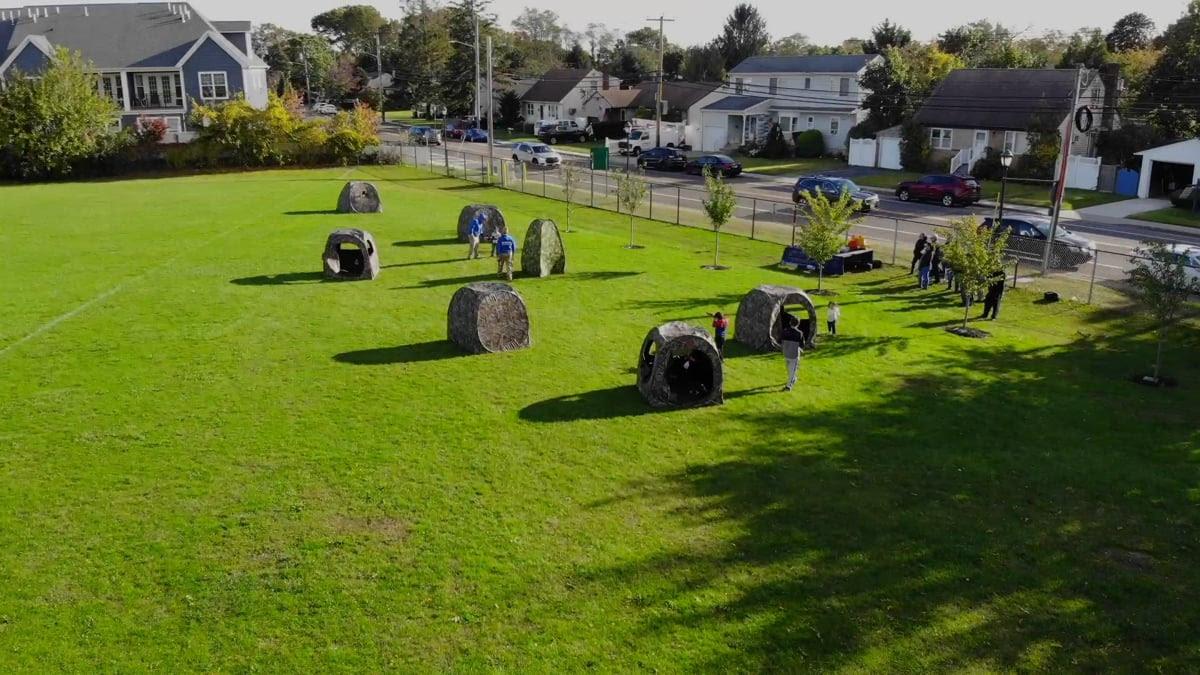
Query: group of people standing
{"type": "Point", "coordinates": [504, 246]}
{"type": "Point", "coordinates": [930, 265]}
{"type": "Point", "coordinates": [794, 334]}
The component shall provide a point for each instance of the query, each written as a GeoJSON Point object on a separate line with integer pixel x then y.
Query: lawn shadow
{"type": "Point", "coordinates": [838, 346]}
{"type": "Point", "coordinates": [325, 212]}
{"type": "Point", "coordinates": [286, 279]}
{"type": "Point", "coordinates": [944, 499]}
{"type": "Point", "coordinates": [438, 350]}
{"type": "Point", "coordinates": [492, 276]}
{"type": "Point", "coordinates": [602, 404]}
{"type": "Point", "coordinates": [465, 188]}
{"type": "Point", "coordinates": [421, 263]}
{"type": "Point", "coordinates": [428, 242]}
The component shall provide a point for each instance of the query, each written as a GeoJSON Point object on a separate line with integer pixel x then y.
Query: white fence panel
{"type": "Point", "coordinates": [862, 152]}
{"type": "Point", "coordinates": [1083, 173]}
{"type": "Point", "coordinates": [889, 153]}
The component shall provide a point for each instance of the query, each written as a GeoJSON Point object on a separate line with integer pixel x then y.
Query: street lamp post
{"type": "Point", "coordinates": [1006, 160]}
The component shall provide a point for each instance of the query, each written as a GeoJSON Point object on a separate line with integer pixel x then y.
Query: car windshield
{"type": "Point", "coordinates": [635, 136]}
{"type": "Point", "coordinates": [725, 159]}
{"type": "Point", "coordinates": [541, 149]}
{"type": "Point", "coordinates": [844, 185]}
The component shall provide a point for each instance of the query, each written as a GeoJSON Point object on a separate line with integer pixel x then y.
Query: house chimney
{"type": "Point", "coordinates": [604, 81]}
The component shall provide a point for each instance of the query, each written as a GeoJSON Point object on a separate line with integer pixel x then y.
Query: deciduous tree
{"type": "Point", "coordinates": [976, 254]}
{"type": "Point", "coordinates": [1162, 286]}
{"type": "Point", "coordinates": [744, 35]}
{"type": "Point", "coordinates": [885, 36]}
{"type": "Point", "coordinates": [1131, 32]}
{"type": "Point", "coordinates": [718, 206]}
{"type": "Point", "coordinates": [823, 233]}
{"type": "Point", "coordinates": [631, 192]}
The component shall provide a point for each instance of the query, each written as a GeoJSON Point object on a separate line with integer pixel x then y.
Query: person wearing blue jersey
{"type": "Point", "coordinates": [475, 233]}
{"type": "Point", "coordinates": [506, 249]}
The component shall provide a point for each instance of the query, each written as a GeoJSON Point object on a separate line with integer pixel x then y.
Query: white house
{"type": "Point", "coordinates": [561, 94]}
{"type": "Point", "coordinates": [1168, 168]}
{"type": "Point", "coordinates": [797, 92]}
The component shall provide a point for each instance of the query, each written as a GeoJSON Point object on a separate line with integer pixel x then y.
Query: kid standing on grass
{"type": "Point", "coordinates": [506, 248]}
{"type": "Point", "coordinates": [832, 314]}
{"type": "Point", "coordinates": [720, 328]}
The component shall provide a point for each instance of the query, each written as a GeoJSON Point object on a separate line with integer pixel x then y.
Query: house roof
{"type": "Point", "coordinates": [620, 98]}
{"type": "Point", "coordinates": [827, 63]}
{"type": "Point", "coordinates": [737, 103]}
{"type": "Point", "coordinates": [1182, 151]}
{"type": "Point", "coordinates": [998, 98]}
{"type": "Point", "coordinates": [556, 84]}
{"type": "Point", "coordinates": [679, 95]}
{"type": "Point", "coordinates": [129, 35]}
{"type": "Point", "coordinates": [232, 26]}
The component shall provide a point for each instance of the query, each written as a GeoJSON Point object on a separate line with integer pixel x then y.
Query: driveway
{"type": "Point", "coordinates": [1124, 209]}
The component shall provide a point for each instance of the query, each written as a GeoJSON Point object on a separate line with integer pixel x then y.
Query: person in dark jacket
{"type": "Point", "coordinates": [936, 270]}
{"type": "Point", "coordinates": [925, 265]}
{"type": "Point", "coordinates": [995, 293]}
{"type": "Point", "coordinates": [791, 338]}
{"type": "Point", "coordinates": [918, 249]}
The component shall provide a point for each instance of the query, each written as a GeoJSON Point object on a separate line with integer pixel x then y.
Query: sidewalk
{"type": "Point", "coordinates": [1108, 214]}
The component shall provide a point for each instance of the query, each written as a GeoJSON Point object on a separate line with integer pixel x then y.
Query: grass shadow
{"type": "Point", "coordinates": [439, 350]}
{"type": "Point", "coordinates": [602, 404]}
{"type": "Point", "coordinates": [416, 243]}
{"type": "Point", "coordinates": [287, 279]}
{"type": "Point", "coordinates": [421, 263]}
{"type": "Point", "coordinates": [322, 212]}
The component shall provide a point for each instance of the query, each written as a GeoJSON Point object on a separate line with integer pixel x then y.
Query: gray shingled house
{"type": "Point", "coordinates": [154, 59]}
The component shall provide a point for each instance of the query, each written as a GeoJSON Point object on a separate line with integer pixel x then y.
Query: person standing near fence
{"type": "Point", "coordinates": [918, 249]}
{"type": "Point", "coordinates": [925, 264]}
{"type": "Point", "coordinates": [995, 293]}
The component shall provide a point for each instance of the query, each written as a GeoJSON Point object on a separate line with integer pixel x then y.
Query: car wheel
{"type": "Point", "coordinates": [581, 139]}
{"type": "Point", "coordinates": [516, 159]}
{"type": "Point", "coordinates": [553, 140]}
{"type": "Point", "coordinates": [903, 195]}
{"type": "Point", "coordinates": [947, 199]}
{"type": "Point", "coordinates": [636, 151]}
{"type": "Point", "coordinates": [534, 161]}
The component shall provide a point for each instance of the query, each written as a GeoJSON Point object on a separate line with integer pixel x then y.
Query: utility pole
{"type": "Point", "coordinates": [379, 64]}
{"type": "Point", "coordinates": [477, 79]}
{"type": "Point", "coordinates": [1061, 188]}
{"type": "Point", "coordinates": [307, 82]}
{"type": "Point", "coordinates": [658, 95]}
{"type": "Point", "coordinates": [491, 130]}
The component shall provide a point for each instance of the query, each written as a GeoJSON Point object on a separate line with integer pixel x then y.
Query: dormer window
{"type": "Point", "coordinates": [739, 85]}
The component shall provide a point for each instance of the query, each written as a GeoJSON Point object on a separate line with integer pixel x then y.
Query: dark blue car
{"type": "Point", "coordinates": [475, 136]}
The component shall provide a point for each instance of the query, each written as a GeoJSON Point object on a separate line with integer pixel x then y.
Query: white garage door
{"type": "Point", "coordinates": [715, 133]}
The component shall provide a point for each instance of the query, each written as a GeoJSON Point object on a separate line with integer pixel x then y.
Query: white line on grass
{"type": "Point", "coordinates": [71, 314]}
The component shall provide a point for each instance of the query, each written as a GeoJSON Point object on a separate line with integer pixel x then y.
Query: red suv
{"type": "Point", "coordinates": [946, 190]}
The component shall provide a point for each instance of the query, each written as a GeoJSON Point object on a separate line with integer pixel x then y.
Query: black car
{"type": "Point", "coordinates": [663, 159]}
{"type": "Point", "coordinates": [833, 188]}
{"type": "Point", "coordinates": [722, 164]}
{"type": "Point", "coordinates": [1028, 236]}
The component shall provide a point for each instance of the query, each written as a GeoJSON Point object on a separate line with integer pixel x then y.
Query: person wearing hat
{"type": "Point", "coordinates": [475, 233]}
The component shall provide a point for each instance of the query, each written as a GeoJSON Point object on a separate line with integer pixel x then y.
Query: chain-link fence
{"type": "Point", "coordinates": [1080, 273]}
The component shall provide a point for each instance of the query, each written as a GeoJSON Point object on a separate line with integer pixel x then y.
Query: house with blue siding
{"type": "Point", "coordinates": [153, 59]}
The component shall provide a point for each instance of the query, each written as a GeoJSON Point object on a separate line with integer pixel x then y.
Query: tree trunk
{"type": "Point", "coordinates": [631, 228]}
{"type": "Point", "coordinates": [716, 248]}
{"type": "Point", "coordinates": [820, 275]}
{"type": "Point", "coordinates": [966, 312]}
{"type": "Point", "coordinates": [1162, 339]}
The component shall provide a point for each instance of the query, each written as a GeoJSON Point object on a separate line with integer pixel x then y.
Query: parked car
{"type": "Point", "coordinates": [425, 136]}
{"type": "Point", "coordinates": [715, 163]}
{"type": "Point", "coordinates": [663, 159]}
{"type": "Point", "coordinates": [536, 154]}
{"type": "Point", "coordinates": [475, 136]}
{"type": "Point", "coordinates": [1187, 198]}
{"type": "Point", "coordinates": [1190, 257]}
{"type": "Point", "coordinates": [454, 132]}
{"type": "Point", "coordinates": [1028, 236]}
{"type": "Point", "coordinates": [833, 188]}
{"type": "Point", "coordinates": [945, 190]}
{"type": "Point", "coordinates": [567, 131]}
{"type": "Point", "coordinates": [324, 108]}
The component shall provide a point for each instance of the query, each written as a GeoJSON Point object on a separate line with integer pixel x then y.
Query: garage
{"type": "Point", "coordinates": [1168, 168]}
{"type": "Point", "coordinates": [729, 113]}
{"type": "Point", "coordinates": [713, 136]}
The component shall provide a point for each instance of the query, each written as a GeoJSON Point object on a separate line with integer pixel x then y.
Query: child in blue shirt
{"type": "Point", "coordinates": [475, 233]}
{"type": "Point", "coordinates": [506, 248]}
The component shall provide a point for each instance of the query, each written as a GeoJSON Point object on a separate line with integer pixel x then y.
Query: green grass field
{"type": "Point", "coordinates": [213, 460]}
{"type": "Point", "coordinates": [1171, 216]}
{"type": "Point", "coordinates": [789, 167]}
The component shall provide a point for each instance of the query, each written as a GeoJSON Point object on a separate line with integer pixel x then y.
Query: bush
{"type": "Point", "coordinates": [776, 146]}
{"type": "Point", "coordinates": [809, 144]}
{"type": "Point", "coordinates": [988, 168]}
{"type": "Point", "coordinates": [915, 150]}
{"type": "Point", "coordinates": [751, 149]}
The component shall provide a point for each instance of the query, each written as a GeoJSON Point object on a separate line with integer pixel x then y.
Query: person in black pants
{"type": "Point", "coordinates": [938, 255]}
{"type": "Point", "coordinates": [918, 249]}
{"type": "Point", "coordinates": [995, 293]}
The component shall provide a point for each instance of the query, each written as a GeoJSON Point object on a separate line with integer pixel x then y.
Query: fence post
{"type": "Point", "coordinates": [795, 217]}
{"type": "Point", "coordinates": [592, 198]}
{"type": "Point", "coordinates": [678, 203]}
{"type": "Point", "coordinates": [522, 178]}
{"type": "Point", "coordinates": [544, 172]}
{"type": "Point", "coordinates": [1092, 285]}
{"type": "Point", "coordinates": [753, 217]}
{"type": "Point", "coordinates": [651, 216]}
{"type": "Point", "coordinates": [895, 239]}
{"type": "Point", "coordinates": [1016, 271]}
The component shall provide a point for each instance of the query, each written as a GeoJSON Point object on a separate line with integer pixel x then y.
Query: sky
{"type": "Point", "coordinates": [698, 21]}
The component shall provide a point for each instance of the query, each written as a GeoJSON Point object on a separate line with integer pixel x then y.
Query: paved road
{"type": "Point", "coordinates": [766, 202]}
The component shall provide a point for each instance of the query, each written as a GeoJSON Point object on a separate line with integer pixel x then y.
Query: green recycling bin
{"type": "Point", "coordinates": [600, 158]}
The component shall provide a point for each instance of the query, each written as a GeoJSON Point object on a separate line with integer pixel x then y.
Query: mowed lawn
{"type": "Point", "coordinates": [212, 460]}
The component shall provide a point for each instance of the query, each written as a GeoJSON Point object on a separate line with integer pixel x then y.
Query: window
{"type": "Point", "coordinates": [552, 111]}
{"type": "Point", "coordinates": [214, 86]}
{"type": "Point", "coordinates": [773, 86]}
{"type": "Point", "coordinates": [529, 110]}
{"type": "Point", "coordinates": [738, 85]}
{"type": "Point", "coordinates": [834, 126]}
{"type": "Point", "coordinates": [808, 83]}
{"type": "Point", "coordinates": [112, 87]}
{"type": "Point", "coordinates": [941, 139]}
{"type": "Point", "coordinates": [844, 87]}
{"type": "Point", "coordinates": [812, 122]}
{"type": "Point", "coordinates": [1010, 141]}
{"type": "Point", "coordinates": [157, 90]}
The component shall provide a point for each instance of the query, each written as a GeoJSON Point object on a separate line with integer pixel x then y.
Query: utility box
{"type": "Point", "coordinates": [600, 158]}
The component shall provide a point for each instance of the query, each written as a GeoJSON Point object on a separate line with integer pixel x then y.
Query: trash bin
{"type": "Point", "coordinates": [600, 158]}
